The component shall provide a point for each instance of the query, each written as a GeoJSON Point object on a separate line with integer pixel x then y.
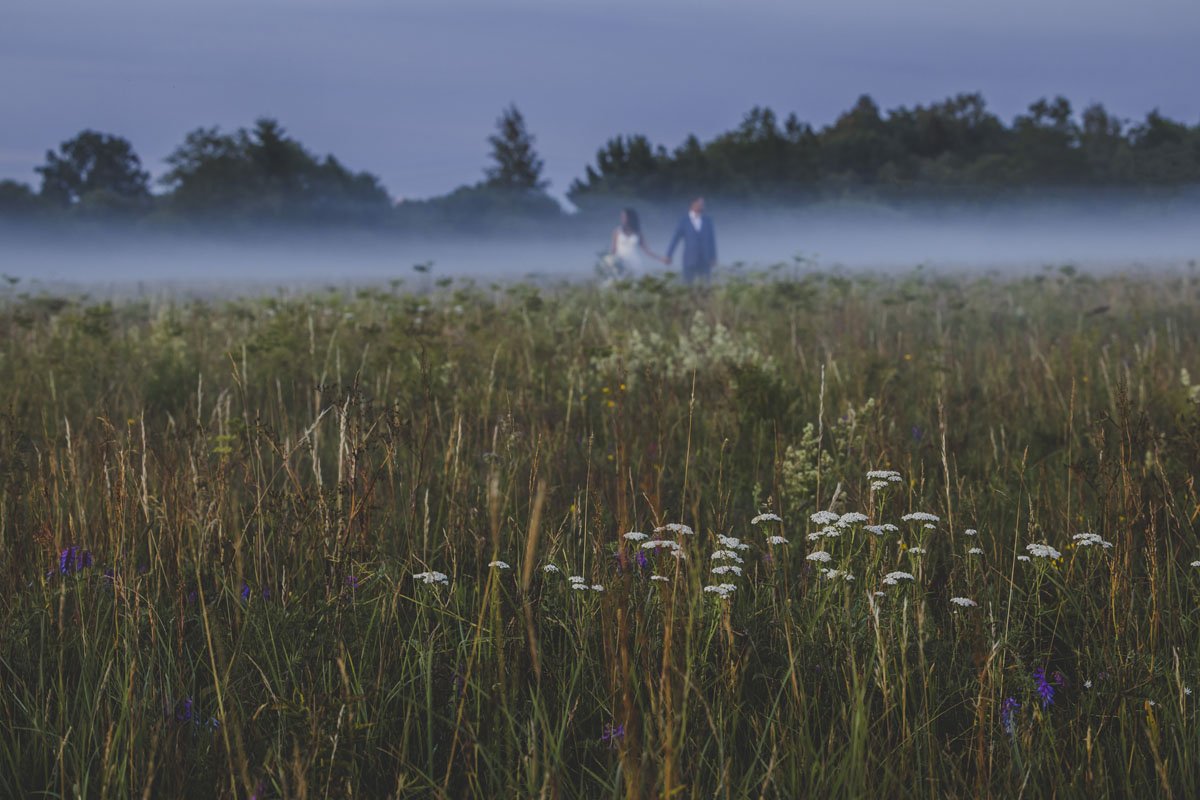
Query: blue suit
{"type": "Point", "coordinates": [699, 247]}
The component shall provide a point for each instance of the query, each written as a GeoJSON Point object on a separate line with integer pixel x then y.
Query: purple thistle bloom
{"type": "Point", "coordinates": [612, 734]}
{"type": "Point", "coordinates": [1044, 689]}
{"type": "Point", "coordinates": [1008, 713]}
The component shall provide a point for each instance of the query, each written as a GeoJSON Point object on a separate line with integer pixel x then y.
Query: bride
{"type": "Point", "coordinates": [624, 258]}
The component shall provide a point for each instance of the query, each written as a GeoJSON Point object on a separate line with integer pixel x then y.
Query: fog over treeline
{"type": "Point", "coordinates": [955, 149]}
{"type": "Point", "coordinates": [947, 185]}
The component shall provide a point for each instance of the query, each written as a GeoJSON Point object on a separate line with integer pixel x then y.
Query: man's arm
{"type": "Point", "coordinates": [675, 240]}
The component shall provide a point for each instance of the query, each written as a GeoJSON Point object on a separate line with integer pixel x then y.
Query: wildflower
{"type": "Point", "coordinates": [1087, 684]}
{"type": "Point", "coordinates": [722, 590]}
{"type": "Point", "coordinates": [726, 555]}
{"type": "Point", "coordinates": [1008, 714]}
{"type": "Point", "coordinates": [499, 565]}
{"type": "Point", "coordinates": [970, 532]}
{"type": "Point", "coordinates": [975, 551]}
{"type": "Point", "coordinates": [662, 578]}
{"type": "Point", "coordinates": [880, 594]}
{"type": "Point", "coordinates": [921, 516]}
{"type": "Point", "coordinates": [877, 485]}
{"type": "Point", "coordinates": [1022, 558]}
{"type": "Point", "coordinates": [832, 574]}
{"type": "Point", "coordinates": [580, 586]}
{"type": "Point", "coordinates": [725, 569]}
{"type": "Point", "coordinates": [74, 559]}
{"type": "Point", "coordinates": [576, 579]}
{"type": "Point", "coordinates": [612, 734]}
{"type": "Point", "coordinates": [1187, 690]}
{"type": "Point", "coordinates": [185, 710]}
{"type": "Point", "coordinates": [432, 577]}
{"type": "Point", "coordinates": [766, 518]}
{"type": "Point", "coordinates": [851, 518]}
{"type": "Point", "coordinates": [1044, 689]}
{"type": "Point", "coordinates": [679, 555]}
{"type": "Point", "coordinates": [245, 592]}
{"type": "Point", "coordinates": [929, 526]}
{"type": "Point", "coordinates": [916, 551]}
{"type": "Point", "coordinates": [352, 582]}
{"type": "Point", "coordinates": [551, 568]}
{"type": "Point", "coordinates": [964, 602]}
{"type": "Point", "coordinates": [893, 578]}
{"type": "Point", "coordinates": [1090, 540]}
{"type": "Point", "coordinates": [596, 587]}
{"type": "Point", "coordinates": [1042, 551]}
{"type": "Point", "coordinates": [733, 543]}
{"type": "Point", "coordinates": [824, 518]}
{"type": "Point", "coordinates": [675, 527]}
{"type": "Point", "coordinates": [1196, 563]}
{"type": "Point", "coordinates": [776, 540]}
{"type": "Point", "coordinates": [880, 530]}
{"type": "Point", "coordinates": [819, 555]}
{"type": "Point", "coordinates": [636, 536]}
{"type": "Point", "coordinates": [655, 544]}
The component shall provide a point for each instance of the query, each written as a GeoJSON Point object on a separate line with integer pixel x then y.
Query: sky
{"type": "Point", "coordinates": [410, 89]}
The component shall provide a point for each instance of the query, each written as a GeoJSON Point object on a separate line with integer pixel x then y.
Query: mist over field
{"type": "Point", "coordinates": [1013, 240]}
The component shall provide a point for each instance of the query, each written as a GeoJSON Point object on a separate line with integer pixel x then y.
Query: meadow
{"type": "Point", "coordinates": [802, 534]}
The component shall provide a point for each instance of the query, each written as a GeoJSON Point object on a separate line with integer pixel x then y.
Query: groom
{"type": "Point", "coordinates": [699, 243]}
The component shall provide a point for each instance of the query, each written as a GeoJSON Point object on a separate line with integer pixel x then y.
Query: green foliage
{"type": "Point", "coordinates": [92, 163]}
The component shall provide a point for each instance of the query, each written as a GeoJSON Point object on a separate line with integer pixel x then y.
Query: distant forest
{"type": "Point", "coordinates": [955, 149]}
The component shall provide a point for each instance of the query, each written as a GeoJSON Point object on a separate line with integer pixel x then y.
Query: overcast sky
{"type": "Point", "coordinates": [410, 89]}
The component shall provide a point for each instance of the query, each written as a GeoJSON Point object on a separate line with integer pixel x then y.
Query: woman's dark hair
{"type": "Point", "coordinates": [632, 223]}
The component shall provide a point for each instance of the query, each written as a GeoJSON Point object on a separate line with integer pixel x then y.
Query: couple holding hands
{"type": "Point", "coordinates": [694, 231]}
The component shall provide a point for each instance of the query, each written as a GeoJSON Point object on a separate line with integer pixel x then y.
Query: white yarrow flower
{"type": "Point", "coordinates": [1022, 558]}
{"type": "Point", "coordinates": [726, 555]}
{"type": "Point", "coordinates": [893, 578]}
{"type": "Point", "coordinates": [916, 551]}
{"type": "Point", "coordinates": [722, 590]}
{"type": "Point", "coordinates": [975, 551]}
{"type": "Point", "coordinates": [676, 527]}
{"type": "Point", "coordinates": [597, 587]}
{"type": "Point", "coordinates": [819, 555]}
{"type": "Point", "coordinates": [432, 577]}
{"type": "Point", "coordinates": [550, 568]}
{"type": "Point", "coordinates": [1042, 551]}
{"type": "Point", "coordinates": [655, 544]}
{"type": "Point", "coordinates": [577, 579]}
{"type": "Point", "coordinates": [851, 518]}
{"type": "Point", "coordinates": [636, 536]}
{"type": "Point", "coordinates": [662, 578]}
{"type": "Point", "coordinates": [824, 518]}
{"type": "Point", "coordinates": [776, 540]}
{"type": "Point", "coordinates": [921, 516]}
{"type": "Point", "coordinates": [725, 569]}
{"type": "Point", "coordinates": [970, 532]}
{"type": "Point", "coordinates": [768, 517]}
{"type": "Point", "coordinates": [965, 602]}
{"type": "Point", "coordinates": [880, 530]}
{"type": "Point", "coordinates": [1091, 540]}
{"type": "Point", "coordinates": [499, 565]}
{"type": "Point", "coordinates": [733, 543]}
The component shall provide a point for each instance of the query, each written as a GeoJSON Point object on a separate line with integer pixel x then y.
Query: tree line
{"type": "Point", "coordinates": [955, 148]}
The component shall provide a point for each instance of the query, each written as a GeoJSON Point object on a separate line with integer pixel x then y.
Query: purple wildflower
{"type": "Point", "coordinates": [352, 582]}
{"type": "Point", "coordinates": [1008, 714]}
{"type": "Point", "coordinates": [184, 711]}
{"type": "Point", "coordinates": [612, 734]}
{"type": "Point", "coordinates": [73, 559]}
{"type": "Point", "coordinates": [1044, 689]}
{"type": "Point", "coordinates": [642, 561]}
{"type": "Point", "coordinates": [245, 592]}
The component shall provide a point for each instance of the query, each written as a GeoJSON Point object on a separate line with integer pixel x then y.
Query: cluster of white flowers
{"type": "Point", "coordinates": [578, 583]}
{"type": "Point", "coordinates": [1042, 551]}
{"type": "Point", "coordinates": [970, 532]}
{"type": "Point", "coordinates": [662, 578]}
{"type": "Point", "coordinates": [975, 551]}
{"type": "Point", "coordinates": [819, 555]}
{"type": "Point", "coordinates": [726, 555]}
{"type": "Point", "coordinates": [576, 580]}
{"type": "Point", "coordinates": [921, 516]}
{"type": "Point", "coordinates": [893, 578]}
{"type": "Point", "coordinates": [916, 551]}
{"type": "Point", "coordinates": [880, 530]}
{"type": "Point", "coordinates": [725, 569]}
{"type": "Point", "coordinates": [880, 478]}
{"type": "Point", "coordinates": [1196, 563]}
{"type": "Point", "coordinates": [636, 536]}
{"type": "Point", "coordinates": [851, 518]}
{"type": "Point", "coordinates": [1022, 558]}
{"type": "Point", "coordinates": [965, 602]}
{"type": "Point", "coordinates": [675, 527]}
{"type": "Point", "coordinates": [768, 517]}
{"type": "Point", "coordinates": [551, 568]}
{"type": "Point", "coordinates": [833, 574]}
{"type": "Point", "coordinates": [722, 590]}
{"type": "Point", "coordinates": [824, 518]}
{"type": "Point", "coordinates": [828, 532]}
{"type": "Point", "coordinates": [499, 565]}
{"type": "Point", "coordinates": [733, 543]}
{"type": "Point", "coordinates": [1091, 540]}
{"type": "Point", "coordinates": [656, 544]}
{"type": "Point", "coordinates": [432, 577]}
{"type": "Point", "coordinates": [776, 540]}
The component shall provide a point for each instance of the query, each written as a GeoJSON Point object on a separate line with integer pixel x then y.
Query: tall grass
{"type": "Point", "coordinates": [211, 515]}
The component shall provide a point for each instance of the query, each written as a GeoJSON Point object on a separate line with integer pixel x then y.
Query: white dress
{"type": "Point", "coordinates": [629, 253]}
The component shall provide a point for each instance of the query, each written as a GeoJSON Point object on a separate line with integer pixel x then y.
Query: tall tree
{"type": "Point", "coordinates": [517, 165]}
{"type": "Point", "coordinates": [93, 162]}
